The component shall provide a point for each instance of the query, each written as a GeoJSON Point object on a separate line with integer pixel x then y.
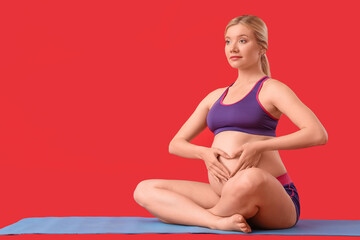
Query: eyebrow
{"type": "Point", "coordinates": [238, 35]}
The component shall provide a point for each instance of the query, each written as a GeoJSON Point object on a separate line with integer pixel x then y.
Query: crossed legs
{"type": "Point", "coordinates": [252, 194]}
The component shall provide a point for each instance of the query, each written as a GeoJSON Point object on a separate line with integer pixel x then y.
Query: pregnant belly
{"type": "Point", "coordinates": [229, 142]}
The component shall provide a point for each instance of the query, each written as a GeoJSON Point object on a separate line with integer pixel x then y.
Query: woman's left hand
{"type": "Point", "coordinates": [250, 157]}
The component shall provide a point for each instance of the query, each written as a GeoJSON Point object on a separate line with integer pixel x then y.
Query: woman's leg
{"type": "Point", "coordinates": [259, 197]}
{"type": "Point", "coordinates": [185, 202]}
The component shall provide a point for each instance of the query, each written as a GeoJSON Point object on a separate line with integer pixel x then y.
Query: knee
{"type": "Point", "coordinates": [143, 191]}
{"type": "Point", "coordinates": [254, 176]}
{"type": "Point", "coordinates": [250, 181]}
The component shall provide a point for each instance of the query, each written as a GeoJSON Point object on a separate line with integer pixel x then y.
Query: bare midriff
{"type": "Point", "coordinates": [230, 142]}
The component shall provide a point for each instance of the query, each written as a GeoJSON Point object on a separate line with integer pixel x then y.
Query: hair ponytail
{"type": "Point", "coordinates": [265, 65]}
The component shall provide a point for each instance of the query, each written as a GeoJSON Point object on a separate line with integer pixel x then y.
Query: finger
{"type": "Point", "coordinates": [222, 169]}
{"type": "Point", "coordinates": [257, 162]}
{"type": "Point", "coordinates": [219, 173]}
{"type": "Point", "coordinates": [213, 175]}
{"type": "Point", "coordinates": [246, 166]}
{"type": "Point", "coordinates": [222, 153]}
{"type": "Point", "coordinates": [221, 178]}
{"type": "Point", "coordinates": [239, 150]}
{"type": "Point", "coordinates": [221, 166]}
{"type": "Point", "coordinates": [235, 171]}
{"type": "Point", "coordinates": [240, 166]}
{"type": "Point", "coordinates": [218, 177]}
{"type": "Point", "coordinates": [241, 163]}
{"type": "Point", "coordinates": [243, 167]}
{"type": "Point", "coordinates": [236, 154]}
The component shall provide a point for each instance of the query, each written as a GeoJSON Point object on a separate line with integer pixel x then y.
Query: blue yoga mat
{"type": "Point", "coordinates": [138, 225]}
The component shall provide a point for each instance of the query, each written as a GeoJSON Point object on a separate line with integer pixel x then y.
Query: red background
{"type": "Point", "coordinates": [92, 92]}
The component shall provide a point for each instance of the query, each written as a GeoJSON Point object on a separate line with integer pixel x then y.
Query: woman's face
{"type": "Point", "coordinates": [240, 41]}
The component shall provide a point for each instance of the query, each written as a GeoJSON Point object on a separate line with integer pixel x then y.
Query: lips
{"type": "Point", "coordinates": [235, 57]}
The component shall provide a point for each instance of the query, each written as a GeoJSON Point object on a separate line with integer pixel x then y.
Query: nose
{"type": "Point", "coordinates": [234, 48]}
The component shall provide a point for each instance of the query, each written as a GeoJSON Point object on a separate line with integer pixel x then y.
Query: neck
{"type": "Point", "coordinates": [249, 75]}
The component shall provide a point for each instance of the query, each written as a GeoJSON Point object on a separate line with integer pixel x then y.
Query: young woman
{"type": "Point", "coordinates": [248, 182]}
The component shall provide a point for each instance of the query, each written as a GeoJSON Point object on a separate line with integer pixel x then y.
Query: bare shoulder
{"type": "Point", "coordinates": [286, 101]}
{"type": "Point", "coordinates": [213, 96]}
{"type": "Point", "coordinates": [216, 93]}
{"type": "Point", "coordinates": [275, 89]}
{"type": "Point", "coordinates": [274, 84]}
{"type": "Point", "coordinates": [197, 121]}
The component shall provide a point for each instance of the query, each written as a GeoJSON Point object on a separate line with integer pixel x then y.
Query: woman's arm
{"type": "Point", "coordinates": [311, 132]}
{"type": "Point", "coordinates": [180, 145]}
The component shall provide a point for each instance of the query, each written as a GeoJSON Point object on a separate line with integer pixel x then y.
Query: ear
{"type": "Point", "coordinates": [262, 51]}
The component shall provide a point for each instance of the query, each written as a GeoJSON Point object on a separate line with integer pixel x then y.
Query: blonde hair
{"type": "Point", "coordinates": [261, 34]}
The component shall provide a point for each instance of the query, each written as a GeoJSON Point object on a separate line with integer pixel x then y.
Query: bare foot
{"type": "Point", "coordinates": [235, 222]}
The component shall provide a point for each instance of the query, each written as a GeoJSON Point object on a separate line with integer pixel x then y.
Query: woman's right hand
{"type": "Point", "coordinates": [214, 166]}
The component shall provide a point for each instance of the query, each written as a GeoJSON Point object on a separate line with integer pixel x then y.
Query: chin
{"type": "Point", "coordinates": [235, 65]}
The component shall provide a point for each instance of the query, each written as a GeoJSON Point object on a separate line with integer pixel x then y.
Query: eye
{"type": "Point", "coordinates": [244, 41]}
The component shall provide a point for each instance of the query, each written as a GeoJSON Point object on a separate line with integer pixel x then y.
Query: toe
{"type": "Point", "coordinates": [246, 229]}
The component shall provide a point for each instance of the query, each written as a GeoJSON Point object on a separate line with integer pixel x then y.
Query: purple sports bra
{"type": "Point", "coordinates": [246, 115]}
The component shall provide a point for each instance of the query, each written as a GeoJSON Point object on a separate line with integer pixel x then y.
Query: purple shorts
{"type": "Point", "coordinates": [292, 191]}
